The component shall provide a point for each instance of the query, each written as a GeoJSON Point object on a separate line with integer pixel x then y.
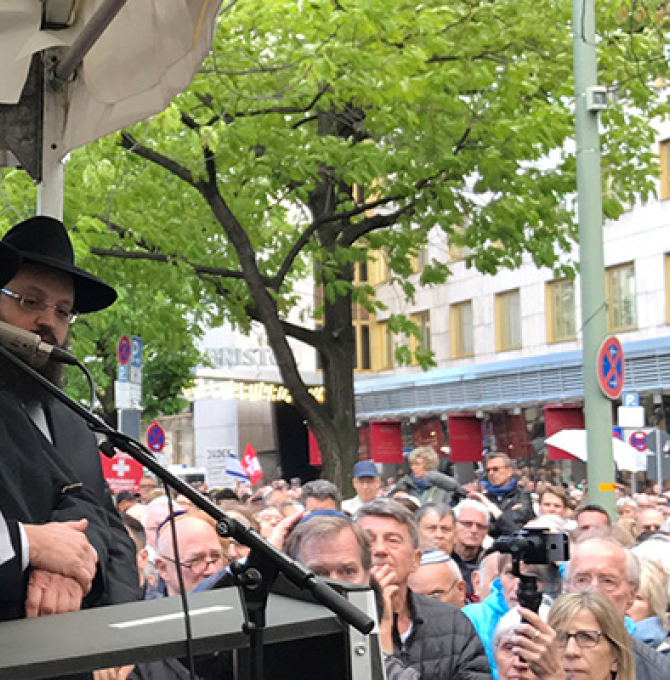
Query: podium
{"type": "Point", "coordinates": [152, 630]}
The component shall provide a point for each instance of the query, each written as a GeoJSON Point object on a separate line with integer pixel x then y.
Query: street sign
{"type": "Point", "coordinates": [136, 351]}
{"type": "Point", "coordinates": [611, 368]}
{"type": "Point", "coordinates": [155, 437]}
{"type": "Point", "coordinates": [123, 350]}
{"type": "Point", "coordinates": [630, 399]}
{"type": "Point", "coordinates": [638, 440]}
{"type": "Point", "coordinates": [127, 395]}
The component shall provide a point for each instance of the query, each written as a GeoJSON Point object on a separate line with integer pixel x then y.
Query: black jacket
{"type": "Point", "coordinates": [442, 643]}
{"type": "Point", "coordinates": [517, 509]}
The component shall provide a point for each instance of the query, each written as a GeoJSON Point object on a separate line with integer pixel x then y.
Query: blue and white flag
{"type": "Point", "coordinates": [234, 467]}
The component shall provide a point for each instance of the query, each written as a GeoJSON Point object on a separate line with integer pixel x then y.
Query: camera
{"type": "Point", "coordinates": [534, 546]}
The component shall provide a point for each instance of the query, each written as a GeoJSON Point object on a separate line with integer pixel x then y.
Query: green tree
{"type": "Point", "coordinates": [455, 116]}
{"type": "Point", "coordinates": [156, 303]}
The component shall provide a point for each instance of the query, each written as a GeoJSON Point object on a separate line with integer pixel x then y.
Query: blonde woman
{"type": "Point", "coordinates": [584, 637]}
{"type": "Point", "coordinates": [649, 611]}
{"type": "Point", "coordinates": [424, 460]}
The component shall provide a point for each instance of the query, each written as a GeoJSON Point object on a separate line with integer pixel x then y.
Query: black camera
{"type": "Point", "coordinates": [534, 546]}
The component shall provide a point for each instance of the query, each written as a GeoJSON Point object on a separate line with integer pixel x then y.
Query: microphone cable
{"type": "Point", "coordinates": [188, 628]}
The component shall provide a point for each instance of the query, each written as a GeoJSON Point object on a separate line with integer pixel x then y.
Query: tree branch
{"type": "Point", "coordinates": [130, 143]}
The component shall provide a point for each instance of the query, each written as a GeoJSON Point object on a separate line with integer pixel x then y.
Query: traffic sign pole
{"type": "Point", "coordinates": [659, 460]}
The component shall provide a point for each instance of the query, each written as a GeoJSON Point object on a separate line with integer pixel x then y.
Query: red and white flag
{"type": "Point", "coordinates": [250, 464]}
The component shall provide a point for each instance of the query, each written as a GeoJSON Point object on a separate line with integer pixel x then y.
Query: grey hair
{"type": "Point", "coordinates": [388, 507]}
{"type": "Point", "coordinates": [475, 505]}
{"type": "Point", "coordinates": [499, 454]}
{"type": "Point", "coordinates": [632, 560]}
{"type": "Point", "coordinates": [442, 509]}
{"type": "Point", "coordinates": [325, 528]}
{"type": "Point", "coordinates": [322, 490]}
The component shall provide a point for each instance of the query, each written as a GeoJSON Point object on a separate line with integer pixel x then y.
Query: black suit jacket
{"type": "Point", "coordinates": [12, 577]}
{"type": "Point", "coordinates": [40, 483]}
{"type": "Point", "coordinates": [77, 445]}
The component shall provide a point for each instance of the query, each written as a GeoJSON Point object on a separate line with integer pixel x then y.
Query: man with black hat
{"type": "Point", "coordinates": [43, 297]}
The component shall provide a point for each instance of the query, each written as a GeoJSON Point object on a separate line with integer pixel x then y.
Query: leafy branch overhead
{"type": "Point", "coordinates": [319, 135]}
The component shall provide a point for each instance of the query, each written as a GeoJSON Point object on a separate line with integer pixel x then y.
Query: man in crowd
{"type": "Point", "coordinates": [367, 484]}
{"type": "Point", "coordinates": [437, 525]}
{"type": "Point", "coordinates": [320, 495]}
{"type": "Point", "coordinates": [429, 636]}
{"type": "Point", "coordinates": [650, 520]}
{"type": "Point", "coordinates": [472, 526]}
{"type": "Point", "coordinates": [439, 577]}
{"type": "Point", "coordinates": [200, 553]}
{"type": "Point", "coordinates": [148, 486]}
{"type": "Point", "coordinates": [590, 516]}
{"type": "Point", "coordinates": [503, 597]}
{"type": "Point", "coordinates": [502, 489]}
{"type": "Point", "coordinates": [604, 565]}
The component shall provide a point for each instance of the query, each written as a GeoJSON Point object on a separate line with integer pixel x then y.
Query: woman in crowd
{"type": "Point", "coordinates": [423, 460]}
{"type": "Point", "coordinates": [584, 637]}
{"type": "Point", "coordinates": [649, 611]}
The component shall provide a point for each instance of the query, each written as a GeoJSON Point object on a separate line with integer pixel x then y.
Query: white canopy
{"type": "Point", "coordinates": [150, 52]}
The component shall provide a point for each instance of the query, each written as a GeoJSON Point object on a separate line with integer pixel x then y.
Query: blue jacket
{"type": "Point", "coordinates": [485, 616]}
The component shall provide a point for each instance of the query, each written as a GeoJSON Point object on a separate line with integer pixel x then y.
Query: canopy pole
{"type": "Point", "coordinates": [87, 38]}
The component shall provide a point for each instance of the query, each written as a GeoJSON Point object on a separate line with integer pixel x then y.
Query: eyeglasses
{"type": "Point", "coordinates": [32, 305]}
{"type": "Point", "coordinates": [603, 583]}
{"type": "Point", "coordinates": [473, 525]}
{"type": "Point", "coordinates": [585, 639]}
{"type": "Point", "coordinates": [201, 562]}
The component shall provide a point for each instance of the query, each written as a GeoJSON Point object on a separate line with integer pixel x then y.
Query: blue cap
{"type": "Point", "coordinates": [365, 468]}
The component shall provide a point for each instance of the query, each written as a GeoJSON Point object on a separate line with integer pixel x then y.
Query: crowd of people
{"type": "Point", "coordinates": [447, 586]}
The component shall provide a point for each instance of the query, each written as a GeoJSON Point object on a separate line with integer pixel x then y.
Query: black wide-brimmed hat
{"type": "Point", "coordinates": [10, 261]}
{"type": "Point", "coordinates": [44, 240]}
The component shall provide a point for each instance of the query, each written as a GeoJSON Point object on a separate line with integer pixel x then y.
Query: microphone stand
{"type": "Point", "coordinates": [265, 562]}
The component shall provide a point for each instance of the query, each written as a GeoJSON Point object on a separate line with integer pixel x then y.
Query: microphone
{"type": "Point", "coordinates": [30, 345]}
{"type": "Point", "coordinates": [444, 482]}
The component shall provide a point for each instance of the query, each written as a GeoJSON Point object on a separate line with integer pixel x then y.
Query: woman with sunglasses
{"type": "Point", "coordinates": [584, 639]}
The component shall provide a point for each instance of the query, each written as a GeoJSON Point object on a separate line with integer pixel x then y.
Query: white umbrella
{"type": "Point", "coordinates": [574, 442]}
{"type": "Point", "coordinates": [150, 52]}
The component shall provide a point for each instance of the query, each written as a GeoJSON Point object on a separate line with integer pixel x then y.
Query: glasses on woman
{"type": "Point", "coordinates": [585, 639]}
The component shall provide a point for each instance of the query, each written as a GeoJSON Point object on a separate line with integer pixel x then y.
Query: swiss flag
{"type": "Point", "coordinates": [250, 464]}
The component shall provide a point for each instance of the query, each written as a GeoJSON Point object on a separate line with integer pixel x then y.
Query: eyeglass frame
{"type": "Point", "coordinates": [68, 317]}
{"type": "Point", "coordinates": [598, 579]}
{"type": "Point", "coordinates": [206, 559]}
{"type": "Point", "coordinates": [564, 643]}
{"type": "Point", "coordinates": [471, 524]}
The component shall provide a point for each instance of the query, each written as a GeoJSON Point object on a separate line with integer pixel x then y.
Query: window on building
{"type": "Point", "coordinates": [664, 159]}
{"type": "Point", "coordinates": [508, 320]}
{"type": "Point", "coordinates": [461, 333]}
{"type": "Point", "coordinates": [621, 302]}
{"type": "Point", "coordinates": [561, 318]}
{"type": "Point", "coordinates": [384, 354]}
{"type": "Point", "coordinates": [667, 288]}
{"type": "Point", "coordinates": [422, 320]}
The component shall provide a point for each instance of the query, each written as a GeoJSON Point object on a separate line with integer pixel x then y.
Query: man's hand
{"type": "Point", "coordinates": [385, 577]}
{"type": "Point", "coordinates": [281, 532]}
{"type": "Point", "coordinates": [50, 593]}
{"type": "Point", "coordinates": [62, 548]}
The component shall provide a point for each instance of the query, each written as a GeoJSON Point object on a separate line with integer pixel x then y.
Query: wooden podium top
{"type": "Point", "coordinates": [147, 631]}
